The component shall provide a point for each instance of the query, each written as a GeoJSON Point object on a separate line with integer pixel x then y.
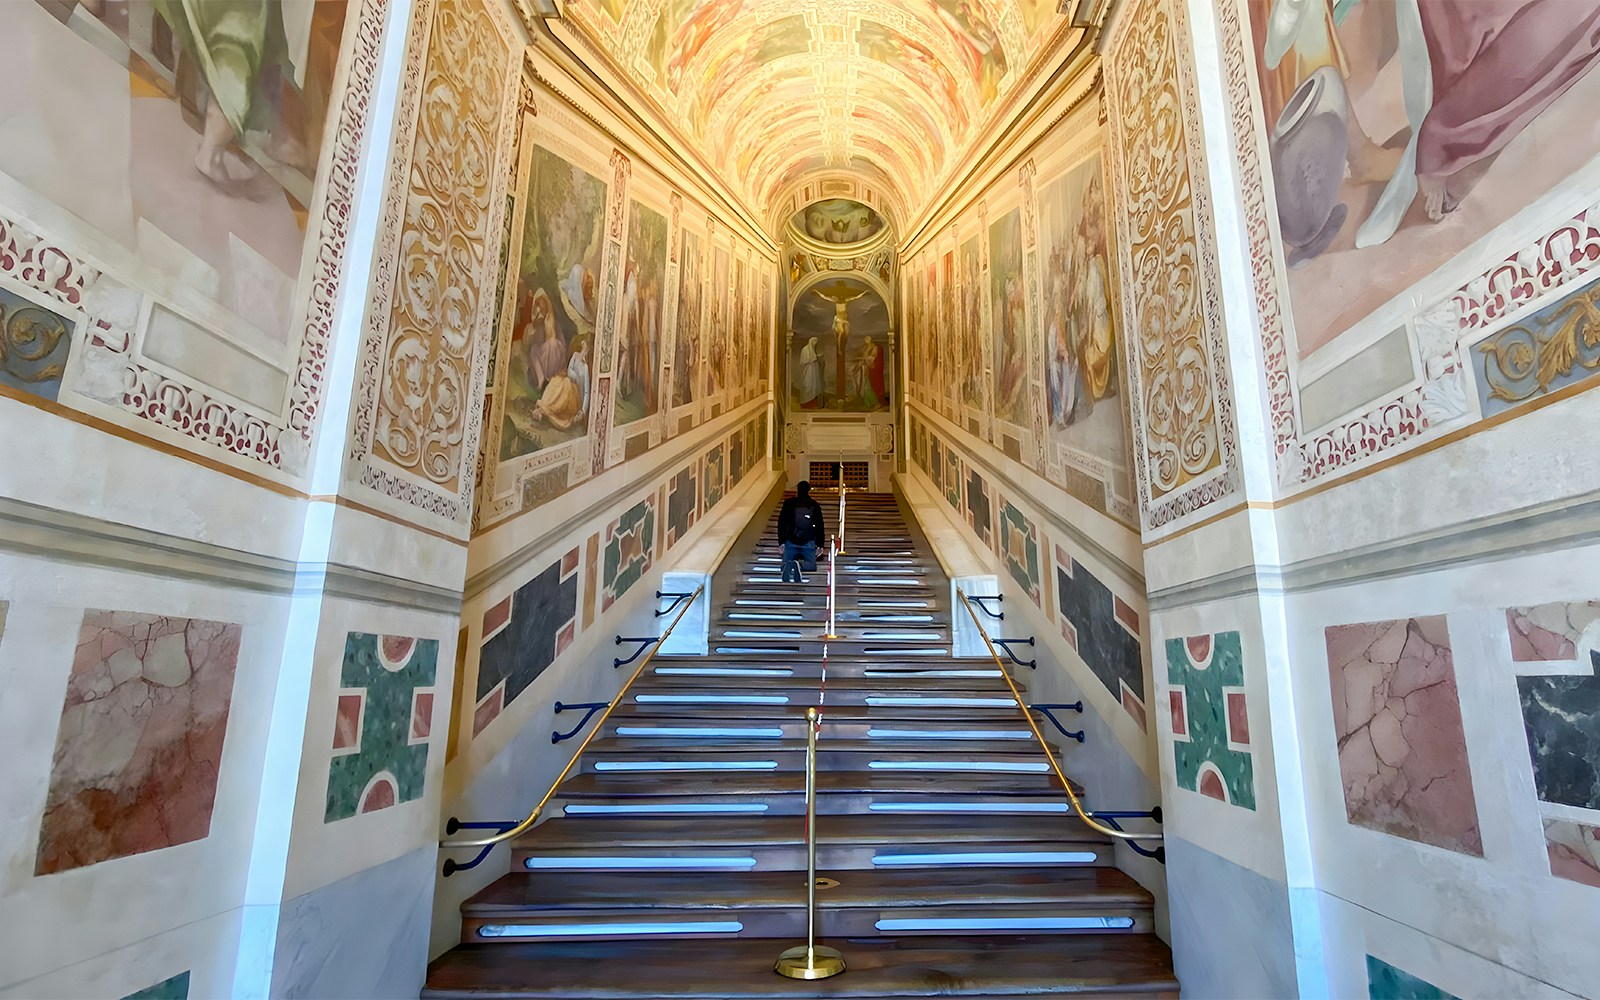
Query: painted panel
{"type": "Point", "coordinates": [1210, 747]}
{"type": "Point", "coordinates": [980, 515]}
{"type": "Point", "coordinates": [714, 478]}
{"type": "Point", "coordinates": [557, 299]}
{"type": "Point", "coordinates": [1400, 134]}
{"type": "Point", "coordinates": [687, 344]}
{"type": "Point", "coordinates": [1008, 319]}
{"type": "Point", "coordinates": [630, 545]}
{"type": "Point", "coordinates": [141, 738]}
{"type": "Point", "coordinates": [837, 220]}
{"type": "Point", "coordinates": [33, 345]}
{"type": "Point", "coordinates": [840, 354]}
{"type": "Point", "coordinates": [971, 346]}
{"type": "Point", "coordinates": [192, 143]}
{"type": "Point", "coordinates": [1397, 717]}
{"type": "Point", "coordinates": [1103, 629]}
{"type": "Point", "coordinates": [523, 635]}
{"type": "Point", "coordinates": [1556, 347]}
{"type": "Point", "coordinates": [1182, 410]}
{"type": "Point", "coordinates": [643, 293]}
{"type": "Point", "coordinates": [1084, 381]}
{"type": "Point", "coordinates": [380, 749]}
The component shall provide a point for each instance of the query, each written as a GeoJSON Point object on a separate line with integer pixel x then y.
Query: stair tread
{"type": "Point", "coordinates": [761, 783]}
{"type": "Point", "coordinates": [666, 748]}
{"type": "Point", "coordinates": [873, 887]}
{"type": "Point", "coordinates": [994, 968]}
{"type": "Point", "coordinates": [618, 834]}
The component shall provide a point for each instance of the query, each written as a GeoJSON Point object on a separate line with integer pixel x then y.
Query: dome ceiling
{"type": "Point", "coordinates": [772, 91]}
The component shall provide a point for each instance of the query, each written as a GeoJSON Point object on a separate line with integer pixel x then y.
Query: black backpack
{"type": "Point", "coordinates": [803, 523]}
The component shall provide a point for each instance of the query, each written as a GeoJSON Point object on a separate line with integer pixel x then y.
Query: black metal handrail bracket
{"type": "Point", "coordinates": [644, 642]}
{"type": "Point", "coordinates": [589, 707]}
{"type": "Point", "coordinates": [510, 829]}
{"type": "Point", "coordinates": [1005, 644]}
{"type": "Point", "coordinates": [677, 599]}
{"type": "Point", "coordinates": [1154, 815]}
{"type": "Point", "coordinates": [1046, 711]}
{"type": "Point", "coordinates": [979, 600]}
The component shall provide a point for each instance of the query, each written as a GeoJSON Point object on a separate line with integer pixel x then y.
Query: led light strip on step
{"type": "Point", "coordinates": [712, 699]}
{"type": "Point", "coordinates": [1004, 923]}
{"type": "Point", "coordinates": [891, 701]}
{"type": "Point", "coordinates": [987, 858]}
{"type": "Point", "coordinates": [1023, 767]}
{"type": "Point", "coordinates": [946, 734]}
{"type": "Point", "coordinates": [949, 806]}
{"type": "Point", "coordinates": [685, 765]}
{"type": "Point", "coordinates": [699, 808]}
{"type": "Point", "coordinates": [727, 671]}
{"type": "Point", "coordinates": [717, 732]}
{"type": "Point", "coordinates": [605, 863]}
{"type": "Point", "coordinates": [609, 930]}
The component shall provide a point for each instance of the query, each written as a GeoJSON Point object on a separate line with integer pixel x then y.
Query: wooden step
{"type": "Point", "coordinates": [763, 843]}
{"type": "Point", "coordinates": [990, 968]}
{"type": "Point", "coordinates": [780, 756]}
{"type": "Point", "coordinates": [842, 688]}
{"type": "Point", "coordinates": [837, 724]}
{"type": "Point", "coordinates": [863, 903]}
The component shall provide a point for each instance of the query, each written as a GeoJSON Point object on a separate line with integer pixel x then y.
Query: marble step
{"type": "Point", "coordinates": [762, 843]}
{"type": "Point", "coordinates": [860, 903]}
{"type": "Point", "coordinates": [983, 968]}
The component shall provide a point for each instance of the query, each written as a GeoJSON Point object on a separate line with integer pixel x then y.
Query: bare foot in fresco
{"type": "Point", "coordinates": [1436, 200]}
{"type": "Point", "coordinates": [216, 158]}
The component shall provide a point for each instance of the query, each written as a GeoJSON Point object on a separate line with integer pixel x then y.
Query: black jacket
{"type": "Point", "coordinates": [786, 520]}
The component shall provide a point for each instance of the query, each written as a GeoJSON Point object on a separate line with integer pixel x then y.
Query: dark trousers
{"type": "Point", "coordinates": [805, 553]}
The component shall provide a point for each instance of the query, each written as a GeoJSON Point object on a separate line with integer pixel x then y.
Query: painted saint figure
{"type": "Point", "coordinates": [565, 399]}
{"type": "Point", "coordinates": [810, 386]}
{"type": "Point", "coordinates": [874, 391]}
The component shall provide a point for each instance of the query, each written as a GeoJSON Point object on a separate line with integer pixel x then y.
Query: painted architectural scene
{"type": "Point", "coordinates": [638, 393]}
{"type": "Point", "coordinates": [548, 371]}
{"type": "Point", "coordinates": [1400, 133]}
{"type": "Point", "coordinates": [687, 337]}
{"type": "Point", "coordinates": [192, 148]}
{"type": "Point", "coordinates": [839, 357]}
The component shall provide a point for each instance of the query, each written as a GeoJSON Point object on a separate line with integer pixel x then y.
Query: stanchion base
{"type": "Point", "coordinates": [820, 963]}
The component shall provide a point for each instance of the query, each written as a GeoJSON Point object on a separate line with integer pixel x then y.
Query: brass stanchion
{"type": "Point", "coordinates": [810, 960]}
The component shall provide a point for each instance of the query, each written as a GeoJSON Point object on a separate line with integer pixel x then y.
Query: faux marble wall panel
{"type": "Point", "coordinates": [140, 742]}
{"type": "Point", "coordinates": [385, 716]}
{"type": "Point", "coordinates": [1210, 728]}
{"type": "Point", "coordinates": [952, 479]}
{"type": "Point", "coordinates": [1104, 630]}
{"type": "Point", "coordinates": [1574, 851]}
{"type": "Point", "coordinates": [736, 466]}
{"type": "Point", "coordinates": [1397, 716]}
{"type": "Point", "coordinates": [629, 550]}
{"type": "Point", "coordinates": [1549, 631]}
{"type": "Point", "coordinates": [979, 514]}
{"type": "Point", "coordinates": [523, 634]}
{"type": "Point", "coordinates": [1562, 717]}
{"type": "Point", "coordinates": [1231, 927]}
{"type": "Point", "coordinates": [683, 504]}
{"type": "Point", "coordinates": [1019, 547]}
{"type": "Point", "coordinates": [715, 478]}
{"type": "Point", "coordinates": [175, 988]}
{"type": "Point", "coordinates": [1385, 982]}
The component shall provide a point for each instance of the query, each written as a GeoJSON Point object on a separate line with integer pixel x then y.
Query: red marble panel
{"type": "Point", "coordinates": [347, 722]}
{"type": "Point", "coordinates": [496, 617]}
{"type": "Point", "coordinates": [421, 715]}
{"type": "Point", "coordinates": [1238, 718]}
{"type": "Point", "coordinates": [140, 741]}
{"type": "Point", "coordinates": [1180, 713]}
{"type": "Point", "coordinates": [1397, 717]}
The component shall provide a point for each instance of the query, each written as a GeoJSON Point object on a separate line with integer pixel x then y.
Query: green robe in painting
{"type": "Point", "coordinates": [232, 41]}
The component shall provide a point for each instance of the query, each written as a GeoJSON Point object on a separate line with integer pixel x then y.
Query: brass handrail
{"type": "Point", "coordinates": [810, 960]}
{"type": "Point", "coordinates": [533, 816]}
{"type": "Point", "coordinates": [1055, 765]}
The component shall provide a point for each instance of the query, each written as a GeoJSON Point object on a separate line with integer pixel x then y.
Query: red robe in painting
{"type": "Point", "coordinates": [1496, 65]}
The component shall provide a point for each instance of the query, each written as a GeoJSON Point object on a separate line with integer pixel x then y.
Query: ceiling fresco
{"type": "Point", "coordinates": [774, 90]}
{"type": "Point", "coordinates": [838, 221]}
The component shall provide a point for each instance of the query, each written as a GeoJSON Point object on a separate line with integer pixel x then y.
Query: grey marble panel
{"type": "Point", "coordinates": [1231, 934]}
{"type": "Point", "coordinates": [365, 935]}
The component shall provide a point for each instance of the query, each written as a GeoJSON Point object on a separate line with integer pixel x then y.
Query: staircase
{"type": "Point", "coordinates": [949, 863]}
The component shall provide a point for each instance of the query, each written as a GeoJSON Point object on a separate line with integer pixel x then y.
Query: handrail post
{"type": "Point", "coordinates": [810, 961]}
{"type": "Point", "coordinates": [833, 588]}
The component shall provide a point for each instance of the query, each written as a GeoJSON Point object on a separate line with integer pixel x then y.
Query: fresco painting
{"type": "Point", "coordinates": [195, 142]}
{"type": "Point", "coordinates": [838, 221]}
{"type": "Point", "coordinates": [1008, 318]}
{"type": "Point", "coordinates": [643, 292]}
{"type": "Point", "coordinates": [840, 354]}
{"type": "Point", "coordinates": [1400, 133]}
{"type": "Point", "coordinates": [686, 347]}
{"type": "Point", "coordinates": [970, 352]}
{"type": "Point", "coordinates": [716, 334]}
{"type": "Point", "coordinates": [548, 377]}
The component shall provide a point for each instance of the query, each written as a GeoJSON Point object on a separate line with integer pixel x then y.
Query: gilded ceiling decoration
{"type": "Point", "coordinates": [774, 90]}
